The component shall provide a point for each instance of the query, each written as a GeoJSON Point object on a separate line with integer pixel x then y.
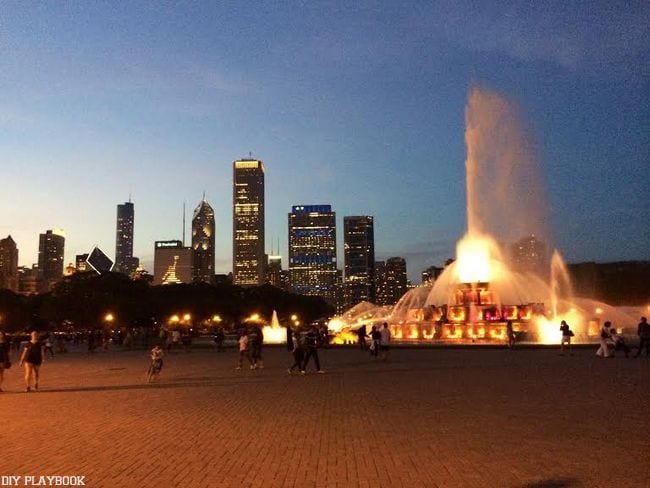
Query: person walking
{"type": "Point", "coordinates": [311, 343]}
{"type": "Point", "coordinates": [244, 351]}
{"type": "Point", "coordinates": [567, 334]}
{"type": "Point", "coordinates": [156, 362]}
{"type": "Point", "coordinates": [5, 356]}
{"type": "Point", "coordinates": [298, 352]}
{"type": "Point", "coordinates": [510, 334]}
{"type": "Point", "coordinates": [643, 331]}
{"type": "Point", "coordinates": [32, 358]}
{"type": "Point", "coordinates": [375, 339]}
{"type": "Point", "coordinates": [605, 340]}
{"type": "Point", "coordinates": [361, 332]}
{"type": "Point", "coordinates": [384, 342]}
{"type": "Point", "coordinates": [257, 339]}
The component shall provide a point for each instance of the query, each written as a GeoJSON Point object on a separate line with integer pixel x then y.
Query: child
{"type": "Point", "coordinates": [156, 362]}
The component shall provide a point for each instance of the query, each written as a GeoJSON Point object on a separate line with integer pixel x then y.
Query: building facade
{"type": "Point", "coordinates": [51, 247]}
{"type": "Point", "coordinates": [203, 241]}
{"type": "Point", "coordinates": [8, 264]}
{"type": "Point", "coordinates": [391, 280]}
{"type": "Point", "coordinates": [172, 263]}
{"type": "Point", "coordinates": [312, 251]}
{"type": "Point", "coordinates": [249, 263]}
{"type": "Point", "coordinates": [124, 260]}
{"type": "Point", "coordinates": [359, 249]}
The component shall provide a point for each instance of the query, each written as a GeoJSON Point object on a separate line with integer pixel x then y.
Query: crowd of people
{"type": "Point", "coordinates": [34, 349]}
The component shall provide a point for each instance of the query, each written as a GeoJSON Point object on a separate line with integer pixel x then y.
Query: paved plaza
{"type": "Point", "coordinates": [438, 417]}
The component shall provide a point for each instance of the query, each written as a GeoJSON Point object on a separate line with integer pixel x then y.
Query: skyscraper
{"type": "Point", "coordinates": [359, 248]}
{"type": "Point", "coordinates": [124, 260]}
{"type": "Point", "coordinates": [50, 258]}
{"type": "Point", "coordinates": [203, 229]}
{"type": "Point", "coordinates": [172, 263]}
{"type": "Point", "coordinates": [391, 280]}
{"type": "Point", "coordinates": [8, 264]}
{"type": "Point", "coordinates": [312, 251]}
{"type": "Point", "coordinates": [248, 260]}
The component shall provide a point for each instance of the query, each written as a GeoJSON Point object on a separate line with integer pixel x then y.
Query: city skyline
{"type": "Point", "coordinates": [361, 108]}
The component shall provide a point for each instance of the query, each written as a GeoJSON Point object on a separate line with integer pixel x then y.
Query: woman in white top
{"type": "Point", "coordinates": [605, 340]}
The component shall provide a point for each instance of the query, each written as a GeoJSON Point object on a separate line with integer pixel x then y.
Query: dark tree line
{"type": "Point", "coordinates": [81, 301]}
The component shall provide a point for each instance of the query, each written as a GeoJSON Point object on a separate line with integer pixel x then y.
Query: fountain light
{"type": "Point", "coordinates": [216, 318]}
{"type": "Point", "coordinates": [174, 319]}
{"type": "Point", "coordinates": [187, 317]}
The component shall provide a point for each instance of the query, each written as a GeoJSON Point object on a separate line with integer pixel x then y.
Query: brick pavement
{"type": "Point", "coordinates": [428, 418]}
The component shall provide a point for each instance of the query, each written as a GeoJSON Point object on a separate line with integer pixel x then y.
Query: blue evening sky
{"type": "Point", "coordinates": [355, 104]}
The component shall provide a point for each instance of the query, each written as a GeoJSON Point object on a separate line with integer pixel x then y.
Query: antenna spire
{"type": "Point", "coordinates": [183, 223]}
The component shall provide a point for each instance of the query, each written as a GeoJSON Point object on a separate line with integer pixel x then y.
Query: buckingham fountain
{"type": "Point", "coordinates": [484, 287]}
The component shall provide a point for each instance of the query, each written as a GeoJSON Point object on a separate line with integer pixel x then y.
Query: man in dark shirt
{"type": "Point", "coordinates": [311, 343]}
{"type": "Point", "coordinates": [643, 331]}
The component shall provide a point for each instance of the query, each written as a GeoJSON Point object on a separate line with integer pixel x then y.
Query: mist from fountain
{"type": "Point", "coordinates": [505, 202]}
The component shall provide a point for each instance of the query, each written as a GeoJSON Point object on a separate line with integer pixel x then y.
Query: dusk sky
{"type": "Point", "coordinates": [359, 105]}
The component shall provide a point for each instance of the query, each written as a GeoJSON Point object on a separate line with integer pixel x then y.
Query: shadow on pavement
{"type": "Point", "coordinates": [553, 483]}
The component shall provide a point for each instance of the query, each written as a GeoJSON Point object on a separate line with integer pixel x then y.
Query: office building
{"type": "Point", "coordinates": [81, 263]}
{"type": "Point", "coordinates": [172, 263]}
{"type": "Point", "coordinates": [28, 280]}
{"type": "Point", "coordinates": [312, 251]}
{"type": "Point", "coordinates": [249, 264]}
{"type": "Point", "coordinates": [275, 275]}
{"type": "Point", "coordinates": [124, 260]}
{"type": "Point", "coordinates": [50, 258]}
{"type": "Point", "coordinates": [203, 240]}
{"type": "Point", "coordinates": [391, 281]}
{"type": "Point", "coordinates": [8, 264]}
{"type": "Point", "coordinates": [359, 249]}
{"type": "Point", "coordinates": [431, 274]}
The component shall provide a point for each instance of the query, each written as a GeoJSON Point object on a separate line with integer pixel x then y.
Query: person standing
{"type": "Point", "coordinates": [290, 345]}
{"type": "Point", "coordinates": [32, 358]}
{"type": "Point", "coordinates": [311, 343]}
{"type": "Point", "coordinates": [375, 339]}
{"type": "Point", "coordinates": [298, 353]}
{"type": "Point", "coordinates": [257, 339]}
{"type": "Point", "coordinates": [643, 330]}
{"type": "Point", "coordinates": [5, 356]}
{"type": "Point", "coordinates": [510, 333]}
{"type": "Point", "coordinates": [567, 333]}
{"type": "Point", "coordinates": [605, 340]}
{"type": "Point", "coordinates": [384, 342]}
{"type": "Point", "coordinates": [244, 351]}
{"type": "Point", "coordinates": [361, 331]}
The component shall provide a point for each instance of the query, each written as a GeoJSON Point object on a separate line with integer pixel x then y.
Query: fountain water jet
{"type": "Point", "coordinates": [475, 295]}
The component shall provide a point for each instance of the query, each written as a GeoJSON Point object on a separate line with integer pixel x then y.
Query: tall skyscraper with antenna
{"type": "Point", "coordinates": [248, 258]}
{"type": "Point", "coordinates": [124, 260]}
{"type": "Point", "coordinates": [203, 239]}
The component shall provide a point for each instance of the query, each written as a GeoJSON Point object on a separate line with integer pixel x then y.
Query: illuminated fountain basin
{"type": "Point", "coordinates": [481, 290]}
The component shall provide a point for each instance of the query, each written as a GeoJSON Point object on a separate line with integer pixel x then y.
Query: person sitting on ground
{"type": "Point", "coordinates": [619, 342]}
